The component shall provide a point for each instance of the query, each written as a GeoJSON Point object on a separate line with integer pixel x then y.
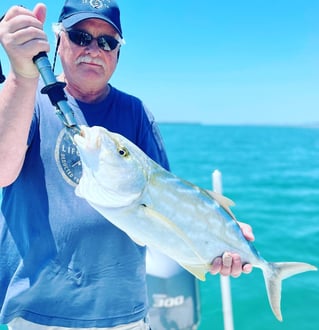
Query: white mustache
{"type": "Point", "coordinates": [89, 59]}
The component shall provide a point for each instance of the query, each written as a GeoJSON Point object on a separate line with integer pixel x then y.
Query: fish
{"type": "Point", "coordinates": [158, 209]}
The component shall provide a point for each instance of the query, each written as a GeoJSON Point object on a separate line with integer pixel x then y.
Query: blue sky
{"type": "Point", "coordinates": [217, 62]}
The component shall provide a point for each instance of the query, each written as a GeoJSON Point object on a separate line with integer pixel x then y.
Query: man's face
{"type": "Point", "coordinates": [88, 67]}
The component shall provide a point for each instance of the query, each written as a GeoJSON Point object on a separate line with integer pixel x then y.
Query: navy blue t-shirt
{"type": "Point", "coordinates": [61, 262]}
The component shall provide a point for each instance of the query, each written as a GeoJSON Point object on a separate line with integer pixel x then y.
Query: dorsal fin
{"type": "Point", "coordinates": [223, 201]}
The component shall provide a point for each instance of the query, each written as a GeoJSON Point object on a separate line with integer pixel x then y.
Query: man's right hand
{"type": "Point", "coordinates": [22, 37]}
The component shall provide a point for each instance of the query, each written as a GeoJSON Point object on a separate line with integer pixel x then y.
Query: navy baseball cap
{"type": "Point", "coordinates": [75, 11]}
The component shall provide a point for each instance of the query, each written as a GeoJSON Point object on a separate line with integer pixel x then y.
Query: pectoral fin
{"type": "Point", "coordinates": [171, 226]}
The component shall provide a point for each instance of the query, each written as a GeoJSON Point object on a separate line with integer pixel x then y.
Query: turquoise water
{"type": "Point", "coordinates": [272, 173]}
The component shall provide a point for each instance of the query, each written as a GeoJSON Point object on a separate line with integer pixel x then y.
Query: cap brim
{"type": "Point", "coordinates": [76, 18]}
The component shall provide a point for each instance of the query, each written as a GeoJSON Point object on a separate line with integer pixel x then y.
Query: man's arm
{"type": "Point", "coordinates": [22, 36]}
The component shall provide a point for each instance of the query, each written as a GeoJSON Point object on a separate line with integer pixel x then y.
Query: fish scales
{"type": "Point", "coordinates": [158, 209]}
{"type": "Point", "coordinates": [209, 233]}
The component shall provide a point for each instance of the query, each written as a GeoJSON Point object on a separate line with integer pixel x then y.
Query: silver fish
{"type": "Point", "coordinates": [158, 209]}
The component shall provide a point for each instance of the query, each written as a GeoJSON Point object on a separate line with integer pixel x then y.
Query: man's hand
{"type": "Point", "coordinates": [230, 263]}
{"type": "Point", "coordinates": [22, 36]}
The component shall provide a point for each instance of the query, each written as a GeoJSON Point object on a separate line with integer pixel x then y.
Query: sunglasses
{"type": "Point", "coordinates": [83, 39]}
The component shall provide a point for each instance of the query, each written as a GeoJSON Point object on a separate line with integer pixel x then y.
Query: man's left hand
{"type": "Point", "coordinates": [230, 264]}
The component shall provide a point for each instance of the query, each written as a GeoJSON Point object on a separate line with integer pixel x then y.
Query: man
{"type": "Point", "coordinates": [62, 264]}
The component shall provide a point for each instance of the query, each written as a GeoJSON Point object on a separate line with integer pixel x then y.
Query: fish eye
{"type": "Point", "coordinates": [123, 151]}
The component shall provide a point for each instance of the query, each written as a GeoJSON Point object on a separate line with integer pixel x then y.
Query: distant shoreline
{"type": "Point", "coordinates": [301, 125]}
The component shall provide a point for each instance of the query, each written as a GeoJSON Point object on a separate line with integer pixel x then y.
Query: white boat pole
{"type": "Point", "coordinates": [224, 280]}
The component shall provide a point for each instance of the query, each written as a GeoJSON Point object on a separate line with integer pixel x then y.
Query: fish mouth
{"type": "Point", "coordinates": [82, 133]}
{"type": "Point", "coordinates": [80, 138]}
{"type": "Point", "coordinates": [84, 140]}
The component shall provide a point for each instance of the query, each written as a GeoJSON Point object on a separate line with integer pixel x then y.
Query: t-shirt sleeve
{"type": "Point", "coordinates": [151, 141]}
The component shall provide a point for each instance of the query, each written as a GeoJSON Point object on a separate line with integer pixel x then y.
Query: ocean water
{"type": "Point", "coordinates": [272, 174]}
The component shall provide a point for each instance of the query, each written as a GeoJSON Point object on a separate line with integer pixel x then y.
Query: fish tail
{"type": "Point", "coordinates": [275, 274]}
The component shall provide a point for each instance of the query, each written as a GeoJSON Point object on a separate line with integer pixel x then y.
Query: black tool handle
{"type": "Point", "coordinates": [54, 89]}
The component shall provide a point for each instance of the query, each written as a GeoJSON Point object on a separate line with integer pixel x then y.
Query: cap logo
{"type": "Point", "coordinates": [98, 4]}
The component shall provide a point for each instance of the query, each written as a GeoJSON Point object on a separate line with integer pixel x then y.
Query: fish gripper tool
{"type": "Point", "coordinates": [55, 91]}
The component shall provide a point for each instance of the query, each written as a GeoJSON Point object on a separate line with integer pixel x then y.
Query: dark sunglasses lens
{"type": "Point", "coordinates": [80, 38]}
{"type": "Point", "coordinates": [83, 39]}
{"type": "Point", "coordinates": [107, 42]}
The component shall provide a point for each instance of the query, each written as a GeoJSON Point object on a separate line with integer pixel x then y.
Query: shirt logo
{"type": "Point", "coordinates": [68, 159]}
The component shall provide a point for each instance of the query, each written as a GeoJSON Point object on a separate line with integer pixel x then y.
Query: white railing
{"type": "Point", "coordinates": [224, 280]}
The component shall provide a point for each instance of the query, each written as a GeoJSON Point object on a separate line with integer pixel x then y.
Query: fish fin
{"type": "Point", "coordinates": [273, 279]}
{"type": "Point", "coordinates": [224, 202]}
{"type": "Point", "coordinates": [172, 226]}
{"type": "Point", "coordinates": [199, 272]}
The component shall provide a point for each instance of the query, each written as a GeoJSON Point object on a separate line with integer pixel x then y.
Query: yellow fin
{"type": "Point", "coordinates": [199, 272]}
{"type": "Point", "coordinates": [151, 213]}
{"type": "Point", "coordinates": [223, 201]}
